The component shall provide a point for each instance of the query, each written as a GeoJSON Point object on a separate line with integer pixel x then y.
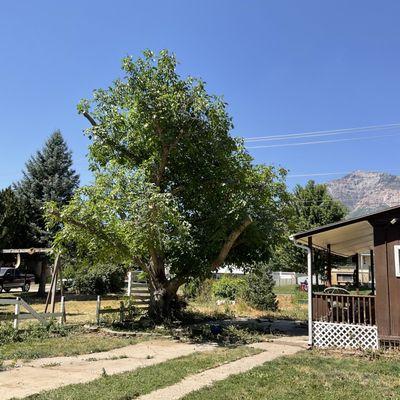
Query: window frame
{"type": "Point", "coordinates": [397, 260]}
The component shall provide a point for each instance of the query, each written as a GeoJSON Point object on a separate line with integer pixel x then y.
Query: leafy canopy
{"type": "Point", "coordinates": [312, 206]}
{"type": "Point", "coordinates": [173, 190]}
{"type": "Point", "coordinates": [13, 220]}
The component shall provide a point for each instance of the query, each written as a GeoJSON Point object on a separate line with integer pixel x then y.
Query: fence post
{"type": "Point", "coordinates": [121, 311]}
{"type": "Point", "coordinates": [16, 314]}
{"type": "Point", "coordinates": [98, 304]}
{"type": "Point", "coordinates": [62, 310]}
{"type": "Point", "coordinates": [129, 283]}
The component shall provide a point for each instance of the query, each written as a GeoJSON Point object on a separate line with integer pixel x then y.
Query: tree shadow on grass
{"type": "Point", "coordinates": [220, 329]}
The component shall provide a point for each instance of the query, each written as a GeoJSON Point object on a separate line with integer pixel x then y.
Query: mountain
{"type": "Point", "coordinates": [364, 192]}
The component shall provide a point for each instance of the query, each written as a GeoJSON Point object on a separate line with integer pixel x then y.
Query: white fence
{"type": "Point", "coordinates": [282, 278]}
{"type": "Point", "coordinates": [30, 312]}
{"type": "Point", "coordinates": [139, 300]}
{"type": "Point", "coordinates": [345, 336]}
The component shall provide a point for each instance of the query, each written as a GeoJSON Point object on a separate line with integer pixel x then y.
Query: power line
{"type": "Point", "coordinates": [337, 173]}
{"type": "Point", "coordinates": [319, 174]}
{"type": "Point", "coordinates": [321, 133]}
{"type": "Point", "coordinates": [321, 141]}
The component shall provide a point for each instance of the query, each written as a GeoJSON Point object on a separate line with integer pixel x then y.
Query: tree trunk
{"type": "Point", "coordinates": [165, 305]}
{"type": "Point", "coordinates": [42, 280]}
{"type": "Point", "coordinates": [229, 242]}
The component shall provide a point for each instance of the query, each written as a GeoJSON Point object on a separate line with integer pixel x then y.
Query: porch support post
{"type": "Point", "coordinates": [357, 273]}
{"type": "Point", "coordinates": [310, 290]}
{"type": "Point", "coordinates": [329, 267]}
{"type": "Point", "coordinates": [309, 286]}
{"type": "Point", "coordinates": [371, 252]}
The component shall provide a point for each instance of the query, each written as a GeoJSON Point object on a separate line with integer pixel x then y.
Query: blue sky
{"type": "Point", "coordinates": [283, 67]}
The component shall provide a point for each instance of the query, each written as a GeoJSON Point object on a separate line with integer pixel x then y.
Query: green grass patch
{"type": "Point", "coordinates": [145, 380]}
{"type": "Point", "coordinates": [287, 289]}
{"type": "Point", "coordinates": [79, 343]}
{"type": "Point", "coordinates": [310, 375]}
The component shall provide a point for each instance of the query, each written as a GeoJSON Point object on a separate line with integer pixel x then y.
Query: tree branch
{"type": "Point", "coordinates": [112, 144]}
{"type": "Point", "coordinates": [163, 163]}
{"type": "Point", "coordinates": [229, 242]}
{"type": "Point", "coordinates": [175, 283]}
{"type": "Point", "coordinates": [166, 150]}
{"type": "Point", "coordinates": [103, 236]}
{"type": "Point", "coordinates": [89, 118]}
{"type": "Point", "coordinates": [158, 268]}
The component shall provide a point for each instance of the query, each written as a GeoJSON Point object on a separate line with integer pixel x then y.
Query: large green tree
{"type": "Point", "coordinates": [48, 177]}
{"type": "Point", "coordinates": [174, 193]}
{"type": "Point", "coordinates": [311, 206]}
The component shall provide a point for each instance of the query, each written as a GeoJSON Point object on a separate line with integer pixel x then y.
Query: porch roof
{"type": "Point", "coordinates": [346, 237]}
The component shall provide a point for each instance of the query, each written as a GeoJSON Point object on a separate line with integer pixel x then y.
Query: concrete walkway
{"type": "Point", "coordinates": [272, 350]}
{"type": "Point", "coordinates": [50, 373]}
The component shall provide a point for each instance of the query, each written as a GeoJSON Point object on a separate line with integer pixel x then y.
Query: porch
{"type": "Point", "coordinates": [356, 320]}
{"type": "Point", "coordinates": [344, 308]}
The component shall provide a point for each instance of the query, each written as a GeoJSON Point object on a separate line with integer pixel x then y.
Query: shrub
{"type": "Point", "coordinates": [32, 331]}
{"type": "Point", "coordinates": [225, 335]}
{"type": "Point", "coordinates": [99, 279]}
{"type": "Point", "coordinates": [192, 288]}
{"type": "Point", "coordinates": [199, 289]}
{"type": "Point", "coordinates": [259, 290]}
{"type": "Point", "coordinates": [229, 287]}
{"type": "Point", "coordinates": [7, 333]}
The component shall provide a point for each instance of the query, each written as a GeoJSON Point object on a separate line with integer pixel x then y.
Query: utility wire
{"type": "Point", "coordinates": [319, 174]}
{"type": "Point", "coordinates": [322, 141]}
{"type": "Point", "coordinates": [336, 173]}
{"type": "Point", "coordinates": [321, 133]}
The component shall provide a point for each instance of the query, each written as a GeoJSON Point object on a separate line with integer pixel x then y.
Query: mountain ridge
{"type": "Point", "coordinates": [363, 192]}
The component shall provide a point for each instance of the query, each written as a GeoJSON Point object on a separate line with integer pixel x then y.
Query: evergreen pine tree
{"type": "Point", "coordinates": [48, 176]}
{"type": "Point", "coordinates": [260, 287]}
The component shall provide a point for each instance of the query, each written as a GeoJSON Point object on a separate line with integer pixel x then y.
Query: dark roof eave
{"type": "Point", "coordinates": [340, 224]}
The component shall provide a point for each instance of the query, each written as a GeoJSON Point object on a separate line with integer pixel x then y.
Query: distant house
{"type": "Point", "coordinates": [344, 276]}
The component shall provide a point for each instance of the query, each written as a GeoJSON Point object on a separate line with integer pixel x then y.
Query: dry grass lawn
{"type": "Point", "coordinates": [288, 308]}
{"type": "Point", "coordinates": [78, 311]}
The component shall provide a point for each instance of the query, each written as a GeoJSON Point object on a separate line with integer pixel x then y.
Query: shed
{"type": "Point", "coordinates": [356, 320]}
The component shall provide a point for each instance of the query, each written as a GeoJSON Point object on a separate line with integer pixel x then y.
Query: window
{"type": "Point", "coordinates": [397, 260]}
{"type": "Point", "coordinates": [344, 278]}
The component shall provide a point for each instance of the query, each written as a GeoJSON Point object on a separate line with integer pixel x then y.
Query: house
{"type": "Point", "coordinates": [357, 320]}
{"type": "Point", "coordinates": [343, 276]}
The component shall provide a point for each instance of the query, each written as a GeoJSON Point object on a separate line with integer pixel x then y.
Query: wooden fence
{"type": "Point", "coordinates": [139, 299]}
{"type": "Point", "coordinates": [30, 313]}
{"type": "Point", "coordinates": [344, 308]}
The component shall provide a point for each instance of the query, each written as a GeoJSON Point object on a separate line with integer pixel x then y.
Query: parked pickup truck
{"type": "Point", "coordinates": [14, 278]}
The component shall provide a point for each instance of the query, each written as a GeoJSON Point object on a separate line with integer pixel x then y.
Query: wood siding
{"type": "Point", "coordinates": [386, 236]}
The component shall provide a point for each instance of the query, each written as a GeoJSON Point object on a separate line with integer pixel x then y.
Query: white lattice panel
{"type": "Point", "coordinates": [345, 336]}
